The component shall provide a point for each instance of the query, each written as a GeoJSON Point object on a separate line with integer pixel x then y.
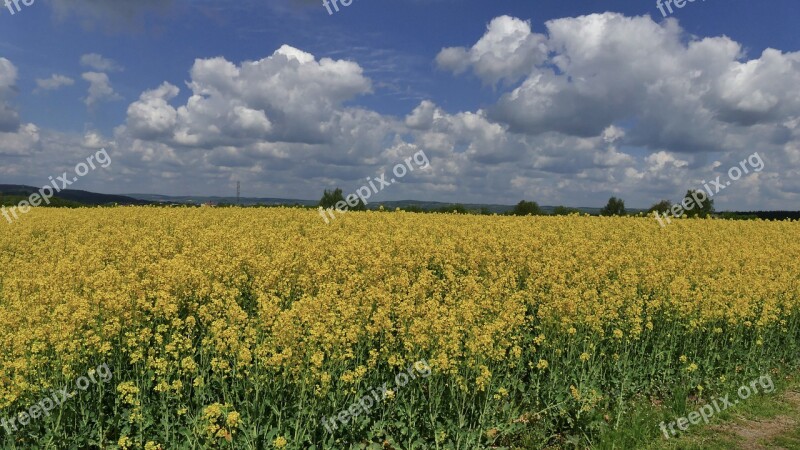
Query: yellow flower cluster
{"type": "Point", "coordinates": [219, 422]}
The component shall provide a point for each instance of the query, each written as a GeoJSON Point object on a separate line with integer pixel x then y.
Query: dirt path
{"type": "Point", "coordinates": [753, 434]}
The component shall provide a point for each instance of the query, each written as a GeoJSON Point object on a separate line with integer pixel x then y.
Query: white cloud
{"type": "Point", "coordinates": [55, 81]}
{"type": "Point", "coordinates": [283, 118]}
{"type": "Point", "coordinates": [100, 89]}
{"type": "Point", "coordinates": [286, 97]}
{"type": "Point", "coordinates": [152, 116]}
{"type": "Point", "coordinates": [99, 63]}
{"type": "Point", "coordinates": [674, 92]}
{"type": "Point", "coordinates": [95, 140]}
{"type": "Point", "coordinates": [507, 51]}
{"type": "Point", "coordinates": [9, 118]}
{"type": "Point", "coordinates": [424, 115]}
{"type": "Point", "coordinates": [22, 142]}
{"type": "Point", "coordinates": [600, 105]}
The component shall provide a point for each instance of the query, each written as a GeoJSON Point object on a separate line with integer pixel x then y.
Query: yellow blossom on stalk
{"type": "Point", "coordinates": [280, 442]}
{"type": "Point", "coordinates": [124, 442]}
{"type": "Point", "coordinates": [219, 421]}
{"type": "Point", "coordinates": [317, 359]}
{"type": "Point", "coordinates": [543, 364]}
{"type": "Point", "coordinates": [483, 379]}
{"type": "Point", "coordinates": [501, 393]}
{"type": "Point", "coordinates": [576, 394]}
{"type": "Point", "coordinates": [233, 419]}
{"type": "Point", "coordinates": [188, 365]}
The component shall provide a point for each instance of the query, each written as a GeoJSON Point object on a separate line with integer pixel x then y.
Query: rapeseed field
{"type": "Point", "coordinates": [252, 328]}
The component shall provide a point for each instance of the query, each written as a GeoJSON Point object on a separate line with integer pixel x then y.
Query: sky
{"type": "Point", "coordinates": [562, 102]}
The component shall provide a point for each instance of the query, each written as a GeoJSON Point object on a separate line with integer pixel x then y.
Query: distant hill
{"type": "Point", "coordinates": [199, 200]}
{"type": "Point", "coordinates": [14, 200]}
{"type": "Point", "coordinates": [769, 215]}
{"type": "Point", "coordinates": [76, 197]}
{"type": "Point", "coordinates": [12, 194]}
{"type": "Point", "coordinates": [269, 201]}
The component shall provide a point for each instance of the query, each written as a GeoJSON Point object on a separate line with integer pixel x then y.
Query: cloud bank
{"type": "Point", "coordinates": [587, 107]}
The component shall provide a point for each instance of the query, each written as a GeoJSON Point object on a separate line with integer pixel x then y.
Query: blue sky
{"type": "Point", "coordinates": [563, 102]}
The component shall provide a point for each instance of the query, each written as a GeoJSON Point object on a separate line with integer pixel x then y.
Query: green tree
{"type": "Point", "coordinates": [456, 208]}
{"type": "Point", "coordinates": [524, 208]}
{"type": "Point", "coordinates": [331, 198]}
{"type": "Point", "coordinates": [614, 207]}
{"type": "Point", "coordinates": [662, 207]}
{"type": "Point", "coordinates": [564, 211]}
{"type": "Point", "coordinates": [701, 205]}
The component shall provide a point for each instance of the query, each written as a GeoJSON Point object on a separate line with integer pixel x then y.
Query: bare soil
{"type": "Point", "coordinates": [753, 434]}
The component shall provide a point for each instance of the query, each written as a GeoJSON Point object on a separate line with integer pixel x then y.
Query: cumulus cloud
{"type": "Point", "coordinates": [53, 83]}
{"type": "Point", "coordinates": [152, 116]}
{"type": "Point", "coordinates": [286, 97]}
{"type": "Point", "coordinates": [286, 115]}
{"type": "Point", "coordinates": [682, 93]}
{"type": "Point", "coordinates": [9, 119]}
{"type": "Point", "coordinates": [99, 63]}
{"type": "Point", "coordinates": [21, 142]}
{"type": "Point", "coordinates": [100, 89]}
{"type": "Point", "coordinates": [759, 90]}
{"type": "Point", "coordinates": [594, 106]}
{"type": "Point", "coordinates": [424, 115]}
{"type": "Point", "coordinates": [507, 51]}
{"type": "Point", "coordinates": [94, 140]}
{"type": "Point", "coordinates": [467, 133]}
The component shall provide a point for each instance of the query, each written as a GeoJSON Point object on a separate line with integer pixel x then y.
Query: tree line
{"type": "Point", "coordinates": [614, 207]}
